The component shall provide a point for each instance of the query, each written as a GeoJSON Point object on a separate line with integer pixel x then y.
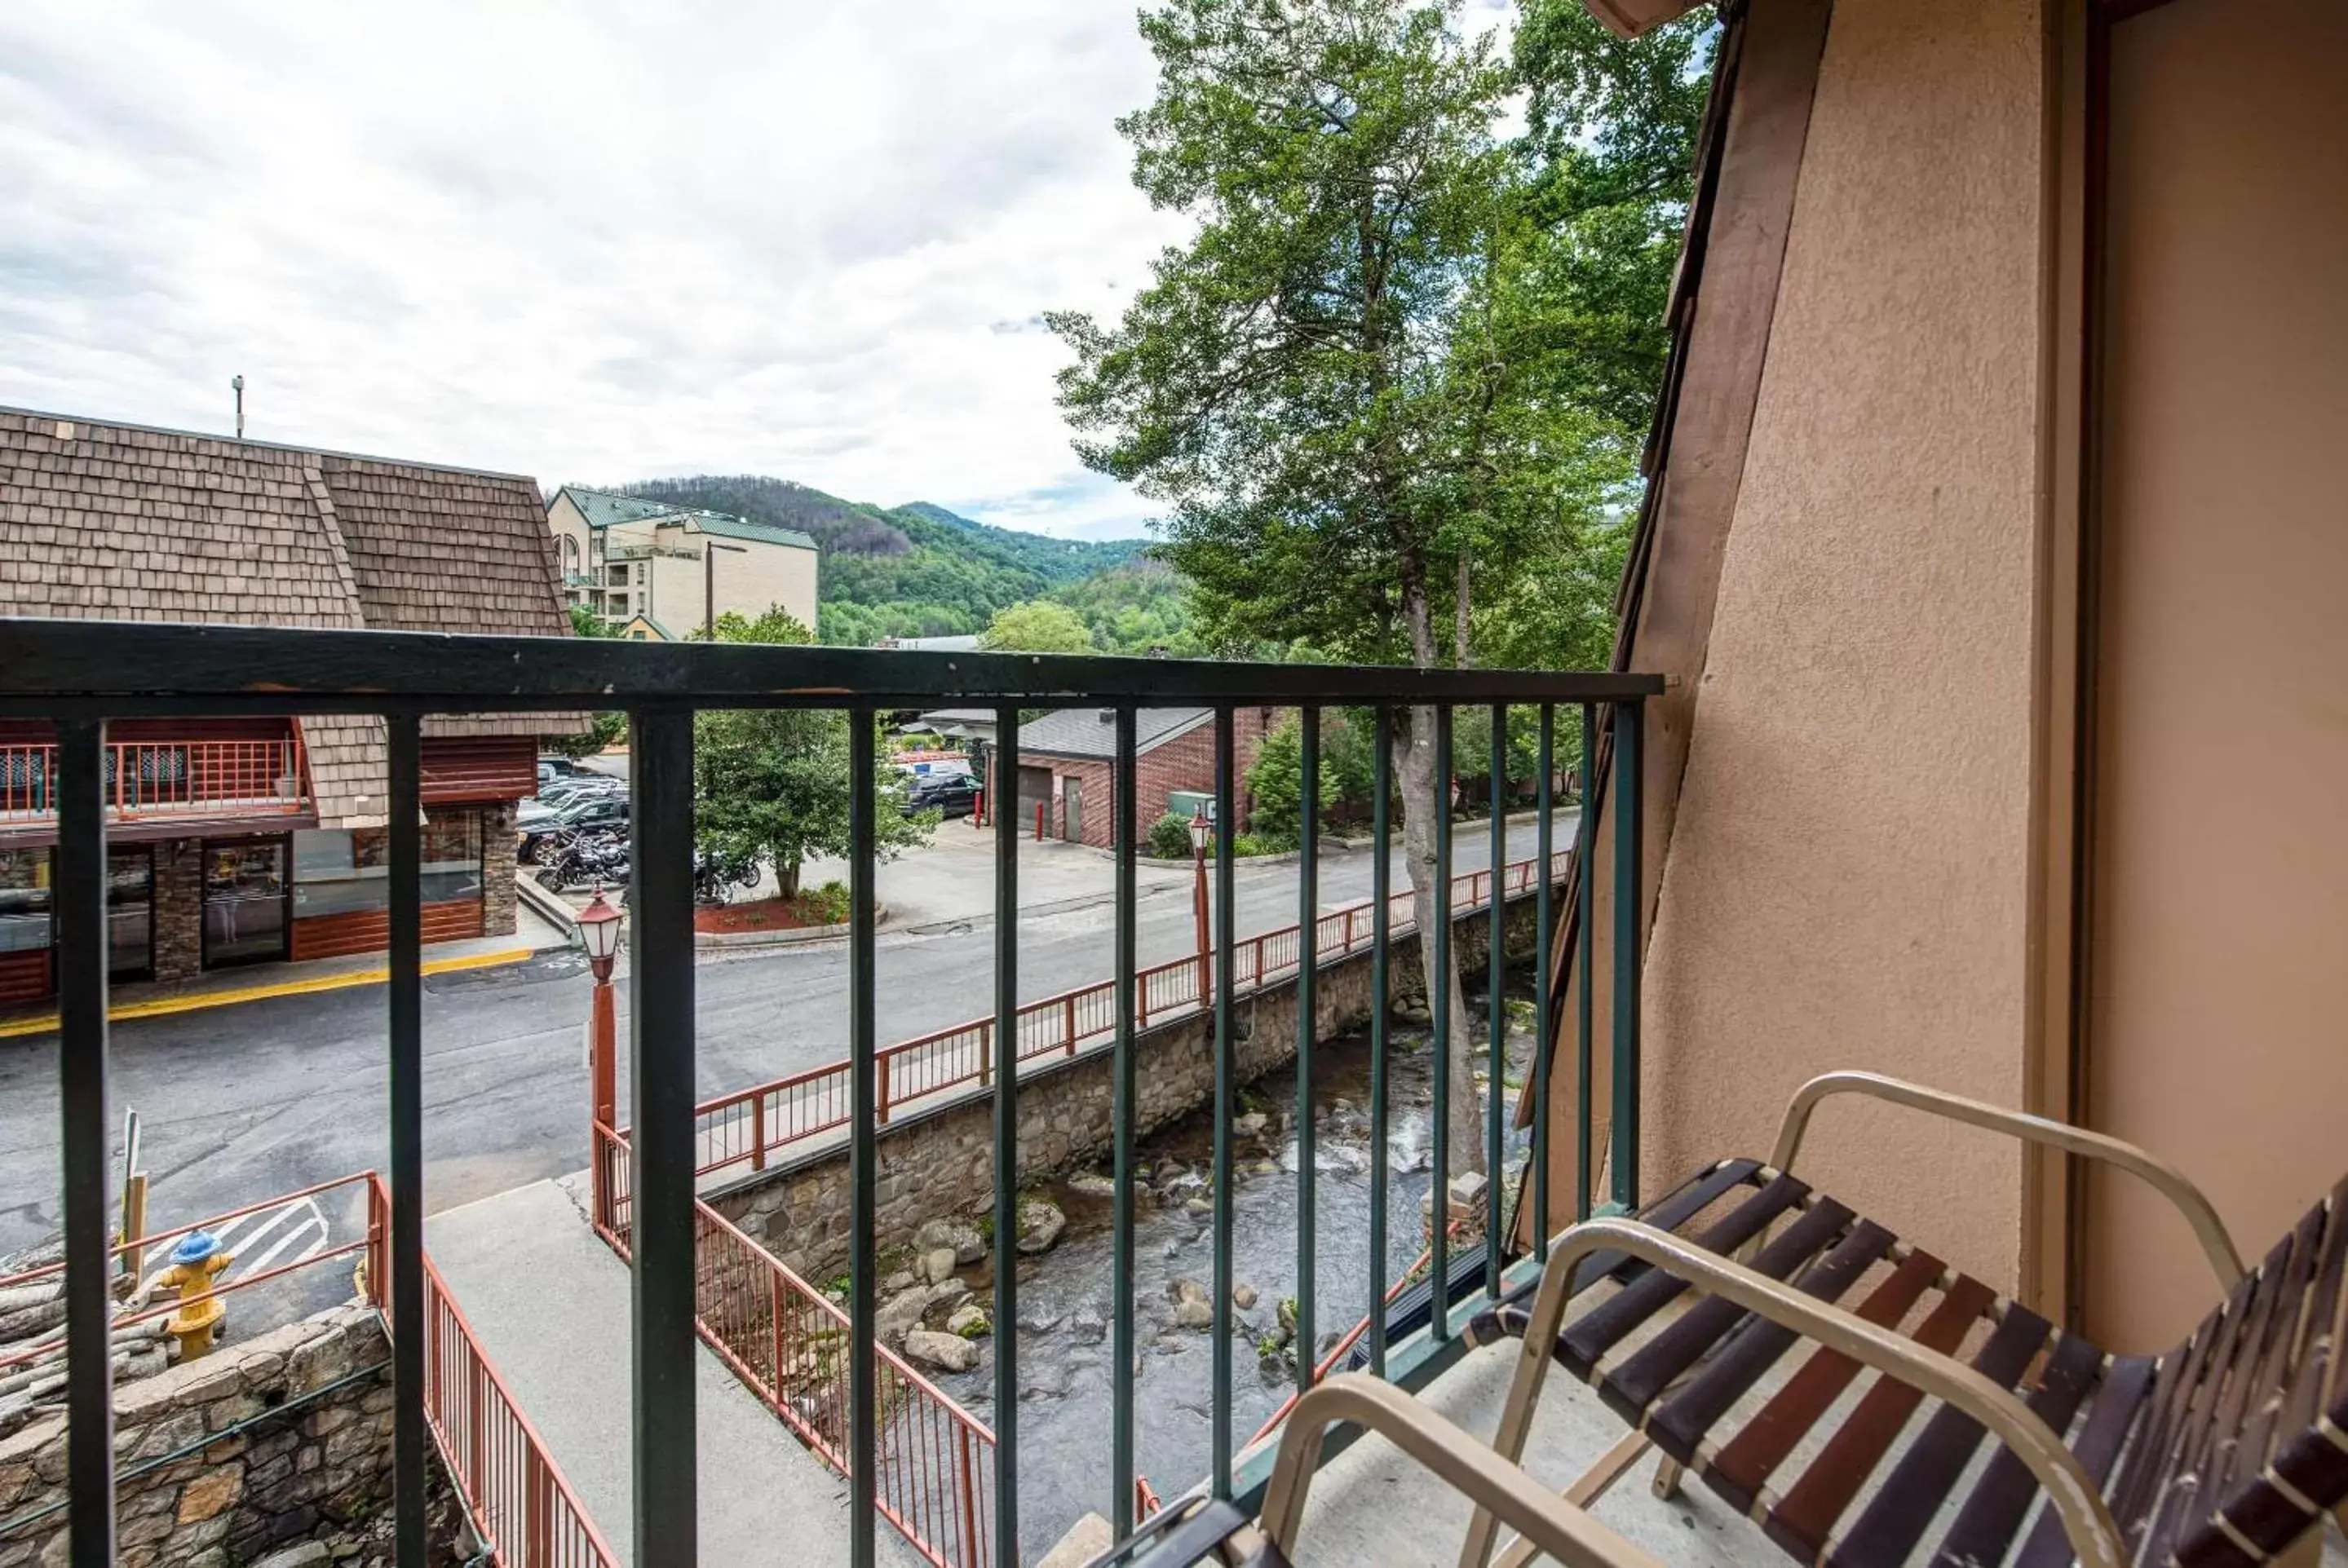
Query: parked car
{"type": "Point", "coordinates": [542, 826]}
{"type": "Point", "coordinates": [571, 786]}
{"type": "Point", "coordinates": [950, 794]}
{"type": "Point", "coordinates": [552, 768]}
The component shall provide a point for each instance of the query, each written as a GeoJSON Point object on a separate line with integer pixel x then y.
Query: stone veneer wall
{"type": "Point", "coordinates": [498, 894]}
{"type": "Point", "coordinates": [179, 905]}
{"type": "Point", "coordinates": [279, 1479]}
{"type": "Point", "coordinates": [937, 1163]}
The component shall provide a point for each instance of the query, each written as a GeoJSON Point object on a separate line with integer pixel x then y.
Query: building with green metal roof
{"type": "Point", "coordinates": [624, 558]}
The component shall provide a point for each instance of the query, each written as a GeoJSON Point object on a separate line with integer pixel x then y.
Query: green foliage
{"type": "Point", "coordinates": [585, 623]}
{"type": "Point", "coordinates": [1138, 608]}
{"type": "Point", "coordinates": [603, 729]}
{"type": "Point", "coordinates": [1276, 783]}
{"type": "Point", "coordinates": [825, 906]}
{"type": "Point", "coordinates": [1352, 377]}
{"type": "Point", "coordinates": [1039, 626]}
{"type": "Point", "coordinates": [1169, 837]}
{"type": "Point", "coordinates": [773, 783]}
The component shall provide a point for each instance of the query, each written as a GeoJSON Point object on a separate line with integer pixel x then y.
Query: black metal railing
{"type": "Point", "coordinates": [82, 675]}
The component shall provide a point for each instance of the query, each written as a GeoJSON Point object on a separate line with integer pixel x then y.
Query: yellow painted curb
{"type": "Point", "coordinates": [196, 1000]}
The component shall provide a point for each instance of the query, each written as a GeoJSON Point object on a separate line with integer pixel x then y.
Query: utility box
{"type": "Point", "coordinates": [1188, 803]}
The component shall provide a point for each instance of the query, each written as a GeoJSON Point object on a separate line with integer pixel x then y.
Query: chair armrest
{"type": "Point", "coordinates": [2094, 1537]}
{"type": "Point", "coordinates": [2162, 1177]}
{"type": "Point", "coordinates": [1565, 1532]}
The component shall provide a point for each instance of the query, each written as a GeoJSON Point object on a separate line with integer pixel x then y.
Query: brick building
{"type": "Point", "coordinates": [239, 840]}
{"type": "Point", "coordinates": [1065, 757]}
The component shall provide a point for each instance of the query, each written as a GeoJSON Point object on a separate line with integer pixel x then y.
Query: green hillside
{"type": "Point", "coordinates": [915, 570]}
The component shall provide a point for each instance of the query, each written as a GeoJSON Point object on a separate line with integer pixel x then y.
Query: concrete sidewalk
{"type": "Point", "coordinates": [549, 1304]}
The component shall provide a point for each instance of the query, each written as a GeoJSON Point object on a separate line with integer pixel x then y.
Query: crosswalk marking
{"type": "Point", "coordinates": [303, 1224]}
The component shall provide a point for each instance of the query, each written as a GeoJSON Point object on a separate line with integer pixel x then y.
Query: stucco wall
{"type": "Point", "coordinates": [1847, 882]}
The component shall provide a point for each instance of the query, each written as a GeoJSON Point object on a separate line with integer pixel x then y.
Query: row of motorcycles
{"type": "Point", "coordinates": [599, 858]}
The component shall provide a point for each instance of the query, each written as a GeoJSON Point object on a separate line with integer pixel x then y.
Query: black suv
{"type": "Point", "coordinates": [950, 794]}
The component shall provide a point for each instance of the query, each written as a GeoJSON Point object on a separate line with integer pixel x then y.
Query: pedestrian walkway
{"type": "Point", "coordinates": [549, 1305]}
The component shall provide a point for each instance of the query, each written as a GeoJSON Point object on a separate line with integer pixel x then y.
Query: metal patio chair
{"type": "Point", "coordinates": [1199, 1531]}
{"type": "Point", "coordinates": [2227, 1450]}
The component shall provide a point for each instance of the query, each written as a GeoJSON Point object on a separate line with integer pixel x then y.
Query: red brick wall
{"type": "Point", "coordinates": [1185, 763]}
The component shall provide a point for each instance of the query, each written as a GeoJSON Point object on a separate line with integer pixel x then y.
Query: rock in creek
{"type": "Point", "coordinates": [946, 1352]}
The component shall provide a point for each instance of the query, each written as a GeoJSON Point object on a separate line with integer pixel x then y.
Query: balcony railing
{"type": "Point", "coordinates": [693, 1278]}
{"type": "Point", "coordinates": [143, 780]}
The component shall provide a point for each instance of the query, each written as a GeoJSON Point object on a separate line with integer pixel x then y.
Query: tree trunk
{"type": "Point", "coordinates": [1415, 764]}
{"type": "Point", "coordinates": [787, 878]}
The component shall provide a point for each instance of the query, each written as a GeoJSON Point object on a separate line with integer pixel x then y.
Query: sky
{"type": "Point", "coordinates": [592, 240]}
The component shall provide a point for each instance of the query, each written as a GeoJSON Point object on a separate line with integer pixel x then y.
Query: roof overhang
{"type": "Point", "coordinates": [1629, 18]}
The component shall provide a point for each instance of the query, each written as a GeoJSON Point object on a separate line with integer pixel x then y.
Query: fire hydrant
{"type": "Point", "coordinates": [195, 1262]}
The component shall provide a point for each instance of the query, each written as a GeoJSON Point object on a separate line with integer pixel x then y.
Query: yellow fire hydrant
{"type": "Point", "coordinates": [195, 1262]}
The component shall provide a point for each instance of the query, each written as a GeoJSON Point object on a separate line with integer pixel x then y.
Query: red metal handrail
{"type": "Point", "coordinates": [164, 779]}
{"type": "Point", "coordinates": [784, 1340]}
{"type": "Point", "coordinates": [528, 1515]}
{"type": "Point", "coordinates": [749, 1125]}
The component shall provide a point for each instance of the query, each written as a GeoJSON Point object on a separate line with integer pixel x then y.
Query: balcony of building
{"type": "Point", "coordinates": [1780, 1380]}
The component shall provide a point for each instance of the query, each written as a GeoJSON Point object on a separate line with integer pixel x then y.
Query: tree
{"type": "Point", "coordinates": [1038, 626]}
{"type": "Point", "coordinates": [773, 783]}
{"type": "Point", "coordinates": [1351, 385]}
{"type": "Point", "coordinates": [1275, 781]}
{"type": "Point", "coordinates": [603, 729]}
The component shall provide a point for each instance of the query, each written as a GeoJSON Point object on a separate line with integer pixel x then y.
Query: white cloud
{"type": "Point", "coordinates": [583, 241]}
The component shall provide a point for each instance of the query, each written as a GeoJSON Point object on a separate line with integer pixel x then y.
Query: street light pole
{"type": "Point", "coordinates": [1201, 831]}
{"type": "Point", "coordinates": [709, 548]}
{"type": "Point", "coordinates": [599, 933]}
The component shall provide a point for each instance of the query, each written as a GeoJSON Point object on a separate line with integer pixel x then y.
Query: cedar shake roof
{"type": "Point", "coordinates": [122, 522]}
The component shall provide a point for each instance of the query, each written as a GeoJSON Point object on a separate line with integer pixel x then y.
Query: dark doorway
{"type": "Point", "coordinates": [131, 912]}
{"type": "Point", "coordinates": [245, 893]}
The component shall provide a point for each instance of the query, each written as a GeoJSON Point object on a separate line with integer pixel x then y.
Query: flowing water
{"type": "Point", "coordinates": [1066, 1305]}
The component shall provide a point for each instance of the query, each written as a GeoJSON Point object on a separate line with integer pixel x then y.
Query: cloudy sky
{"type": "Point", "coordinates": [583, 241]}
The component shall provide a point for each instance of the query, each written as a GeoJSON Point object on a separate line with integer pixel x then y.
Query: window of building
{"type": "Point", "coordinates": [570, 554]}
{"type": "Point", "coordinates": [25, 900]}
{"type": "Point", "coordinates": [347, 871]}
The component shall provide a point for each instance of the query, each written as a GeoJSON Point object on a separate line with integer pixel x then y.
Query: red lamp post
{"type": "Point", "coordinates": [599, 932]}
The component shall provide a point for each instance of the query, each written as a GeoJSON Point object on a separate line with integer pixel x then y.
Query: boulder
{"type": "Point", "coordinates": [1251, 1125]}
{"type": "Point", "coordinates": [1181, 1288]}
{"type": "Point", "coordinates": [1087, 1325]}
{"type": "Point", "coordinates": [1193, 1314]}
{"type": "Point", "coordinates": [968, 1246]}
{"type": "Point", "coordinates": [946, 1352]}
{"type": "Point", "coordinates": [938, 1264]}
{"type": "Point", "coordinates": [1092, 1184]}
{"type": "Point", "coordinates": [1243, 1296]}
{"type": "Point", "coordinates": [1040, 1224]}
{"type": "Point", "coordinates": [970, 1321]}
{"type": "Point", "coordinates": [900, 1314]}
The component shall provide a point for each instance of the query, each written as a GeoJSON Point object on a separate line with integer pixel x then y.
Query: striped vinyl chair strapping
{"type": "Point", "coordinates": [2227, 1449]}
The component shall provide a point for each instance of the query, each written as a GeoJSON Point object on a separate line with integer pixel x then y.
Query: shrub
{"type": "Point", "coordinates": [1169, 837]}
{"type": "Point", "coordinates": [824, 906]}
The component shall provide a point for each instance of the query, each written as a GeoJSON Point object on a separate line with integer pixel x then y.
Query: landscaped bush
{"type": "Point", "coordinates": [1169, 837]}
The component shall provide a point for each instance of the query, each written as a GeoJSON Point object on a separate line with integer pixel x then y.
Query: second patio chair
{"type": "Point", "coordinates": [2227, 1450]}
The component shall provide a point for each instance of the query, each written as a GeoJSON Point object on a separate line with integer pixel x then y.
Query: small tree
{"type": "Point", "coordinates": [603, 729]}
{"type": "Point", "coordinates": [1276, 783]}
{"type": "Point", "coordinates": [1038, 626]}
{"type": "Point", "coordinates": [773, 783]}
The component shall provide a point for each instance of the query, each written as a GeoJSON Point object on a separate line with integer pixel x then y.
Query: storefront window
{"type": "Point", "coordinates": [23, 901]}
{"type": "Point", "coordinates": [129, 911]}
{"type": "Point", "coordinates": [347, 871]}
{"type": "Point", "coordinates": [245, 900]}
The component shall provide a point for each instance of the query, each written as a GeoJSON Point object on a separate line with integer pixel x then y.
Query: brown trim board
{"type": "Point", "coordinates": [1723, 300]}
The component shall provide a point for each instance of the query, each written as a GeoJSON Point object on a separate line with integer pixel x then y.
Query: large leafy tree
{"type": "Point", "coordinates": [1353, 386]}
{"type": "Point", "coordinates": [1038, 626]}
{"type": "Point", "coordinates": [773, 783]}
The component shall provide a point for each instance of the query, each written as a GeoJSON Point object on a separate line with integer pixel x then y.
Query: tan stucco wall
{"type": "Point", "coordinates": [1848, 884]}
{"type": "Point", "coordinates": [750, 584]}
{"type": "Point", "coordinates": [562, 519]}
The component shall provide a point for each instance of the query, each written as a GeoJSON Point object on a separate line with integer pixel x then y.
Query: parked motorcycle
{"type": "Point", "coordinates": [583, 859]}
{"type": "Point", "coordinates": [715, 876]}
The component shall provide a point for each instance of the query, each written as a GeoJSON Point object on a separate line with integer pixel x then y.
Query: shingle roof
{"type": "Point", "coordinates": [1089, 731]}
{"type": "Point", "coordinates": [122, 522]}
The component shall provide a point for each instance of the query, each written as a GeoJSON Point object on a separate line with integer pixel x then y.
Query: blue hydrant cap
{"type": "Point", "coordinates": [195, 1246]}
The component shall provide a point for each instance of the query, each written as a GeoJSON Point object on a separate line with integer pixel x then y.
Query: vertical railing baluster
{"type": "Point", "coordinates": [406, 1006]}
{"type": "Point", "coordinates": [1625, 1158]}
{"type": "Point", "coordinates": [661, 1144]}
{"type": "Point", "coordinates": [1126, 791]}
{"type": "Point", "coordinates": [1438, 1011]}
{"type": "Point", "coordinates": [1381, 931]}
{"type": "Point", "coordinates": [78, 910]}
{"type": "Point", "coordinates": [1006, 1140]}
{"type": "Point", "coordinates": [1544, 931]}
{"type": "Point", "coordinates": [1585, 894]}
{"type": "Point", "coordinates": [1496, 1014]}
{"type": "Point", "coordinates": [863, 1439]}
{"type": "Point", "coordinates": [1226, 1091]}
{"type": "Point", "coordinates": [1308, 931]}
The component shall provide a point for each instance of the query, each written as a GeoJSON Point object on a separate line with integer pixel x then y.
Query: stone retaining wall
{"type": "Point", "coordinates": [322, 1464]}
{"type": "Point", "coordinates": [940, 1164]}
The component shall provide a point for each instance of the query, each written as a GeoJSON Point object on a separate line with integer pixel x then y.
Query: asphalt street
{"type": "Point", "coordinates": [241, 1103]}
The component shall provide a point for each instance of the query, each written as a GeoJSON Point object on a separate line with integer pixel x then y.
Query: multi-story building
{"type": "Point", "coordinates": [676, 566]}
{"type": "Point", "coordinates": [237, 840]}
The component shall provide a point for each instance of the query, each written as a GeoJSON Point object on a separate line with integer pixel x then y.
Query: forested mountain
{"type": "Point", "coordinates": [915, 570]}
